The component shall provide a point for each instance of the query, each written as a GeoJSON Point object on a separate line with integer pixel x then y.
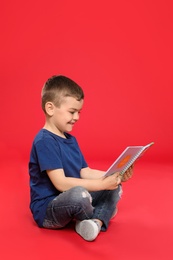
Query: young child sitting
{"type": "Point", "coordinates": [62, 185]}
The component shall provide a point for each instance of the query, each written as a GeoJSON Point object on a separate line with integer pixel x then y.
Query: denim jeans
{"type": "Point", "coordinates": [79, 204]}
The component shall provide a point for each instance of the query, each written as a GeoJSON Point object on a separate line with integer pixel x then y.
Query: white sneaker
{"type": "Point", "coordinates": [88, 229]}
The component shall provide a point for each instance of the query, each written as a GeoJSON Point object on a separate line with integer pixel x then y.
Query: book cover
{"type": "Point", "coordinates": [127, 158]}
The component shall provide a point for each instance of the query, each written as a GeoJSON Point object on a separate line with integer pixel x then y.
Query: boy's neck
{"type": "Point", "coordinates": [54, 131]}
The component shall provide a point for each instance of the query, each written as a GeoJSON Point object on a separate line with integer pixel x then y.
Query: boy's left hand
{"type": "Point", "coordinates": [128, 174]}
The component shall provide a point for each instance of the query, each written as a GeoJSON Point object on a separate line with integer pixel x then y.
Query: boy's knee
{"type": "Point", "coordinates": [80, 194]}
{"type": "Point", "coordinates": [120, 191]}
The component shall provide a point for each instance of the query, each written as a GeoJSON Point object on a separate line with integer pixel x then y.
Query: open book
{"type": "Point", "coordinates": [127, 158]}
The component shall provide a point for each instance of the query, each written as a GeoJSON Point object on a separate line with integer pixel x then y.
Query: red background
{"type": "Point", "coordinates": [120, 52]}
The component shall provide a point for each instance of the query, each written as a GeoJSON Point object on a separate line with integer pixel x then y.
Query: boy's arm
{"type": "Point", "coordinates": [88, 173]}
{"type": "Point", "coordinates": [63, 183]}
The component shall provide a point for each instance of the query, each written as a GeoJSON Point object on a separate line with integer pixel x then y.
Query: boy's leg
{"type": "Point", "coordinates": [72, 204]}
{"type": "Point", "coordinates": [105, 204]}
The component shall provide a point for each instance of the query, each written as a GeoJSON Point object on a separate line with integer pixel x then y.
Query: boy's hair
{"type": "Point", "coordinates": [58, 87]}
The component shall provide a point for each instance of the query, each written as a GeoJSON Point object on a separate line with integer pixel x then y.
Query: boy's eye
{"type": "Point", "coordinates": [73, 112]}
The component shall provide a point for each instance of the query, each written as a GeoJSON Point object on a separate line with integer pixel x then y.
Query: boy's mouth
{"type": "Point", "coordinates": [72, 123]}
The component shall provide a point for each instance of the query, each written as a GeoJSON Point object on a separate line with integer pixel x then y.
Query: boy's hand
{"type": "Point", "coordinates": [128, 174]}
{"type": "Point", "coordinates": [111, 182]}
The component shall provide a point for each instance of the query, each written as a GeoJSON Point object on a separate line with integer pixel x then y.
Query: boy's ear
{"type": "Point", "coordinates": [49, 107]}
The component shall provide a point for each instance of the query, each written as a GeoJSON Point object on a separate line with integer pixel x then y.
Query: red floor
{"type": "Point", "coordinates": [142, 230]}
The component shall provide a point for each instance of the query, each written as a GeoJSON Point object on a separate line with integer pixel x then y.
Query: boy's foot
{"type": "Point", "coordinates": [88, 229]}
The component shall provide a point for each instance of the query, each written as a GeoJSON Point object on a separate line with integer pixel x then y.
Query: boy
{"type": "Point", "coordinates": [62, 186]}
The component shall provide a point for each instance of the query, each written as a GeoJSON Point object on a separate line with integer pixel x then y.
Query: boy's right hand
{"type": "Point", "coordinates": [111, 182]}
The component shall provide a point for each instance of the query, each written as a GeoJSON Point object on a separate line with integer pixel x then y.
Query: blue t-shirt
{"type": "Point", "coordinates": [49, 152]}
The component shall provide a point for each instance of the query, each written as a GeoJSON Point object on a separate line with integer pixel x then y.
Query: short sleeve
{"type": "Point", "coordinates": [48, 154]}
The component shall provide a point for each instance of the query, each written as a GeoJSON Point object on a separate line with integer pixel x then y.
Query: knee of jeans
{"type": "Point", "coordinates": [120, 191]}
{"type": "Point", "coordinates": [80, 195]}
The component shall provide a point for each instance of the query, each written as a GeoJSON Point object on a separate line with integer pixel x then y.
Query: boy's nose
{"type": "Point", "coordinates": [76, 116]}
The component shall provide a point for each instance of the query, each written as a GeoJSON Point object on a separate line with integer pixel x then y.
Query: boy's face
{"type": "Point", "coordinates": [64, 117]}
